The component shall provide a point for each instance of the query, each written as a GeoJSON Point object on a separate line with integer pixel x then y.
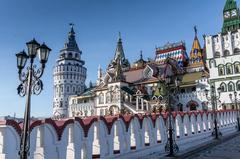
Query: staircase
{"type": "Point", "coordinates": [132, 108]}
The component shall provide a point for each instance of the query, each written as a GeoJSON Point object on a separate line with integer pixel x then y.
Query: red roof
{"type": "Point", "coordinates": [170, 49]}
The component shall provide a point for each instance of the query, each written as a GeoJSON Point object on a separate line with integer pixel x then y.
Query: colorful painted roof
{"type": "Point", "coordinates": [196, 55]}
{"type": "Point", "coordinates": [175, 51]}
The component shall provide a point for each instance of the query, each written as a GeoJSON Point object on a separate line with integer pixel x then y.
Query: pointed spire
{"type": "Point", "coordinates": [119, 49]}
{"type": "Point", "coordinates": [90, 84]}
{"type": "Point", "coordinates": [195, 30]}
{"type": "Point", "coordinates": [141, 56]}
{"type": "Point", "coordinates": [119, 35]}
{"type": "Point", "coordinates": [118, 70]}
{"type": "Point", "coordinates": [71, 44]}
{"type": "Point", "coordinates": [71, 33]}
{"type": "Point", "coordinates": [196, 57]}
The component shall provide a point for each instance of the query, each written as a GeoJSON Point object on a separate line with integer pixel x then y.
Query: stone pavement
{"type": "Point", "coordinates": [226, 150]}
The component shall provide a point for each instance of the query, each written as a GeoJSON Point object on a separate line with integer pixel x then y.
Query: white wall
{"type": "Point", "coordinates": [112, 136]}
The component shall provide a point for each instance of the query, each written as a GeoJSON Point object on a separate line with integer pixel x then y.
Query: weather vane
{"type": "Point", "coordinates": [71, 24]}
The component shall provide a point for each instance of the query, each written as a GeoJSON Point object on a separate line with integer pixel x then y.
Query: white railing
{"type": "Point", "coordinates": [130, 136]}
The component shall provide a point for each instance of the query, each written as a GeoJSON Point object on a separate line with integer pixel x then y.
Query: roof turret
{"type": "Point", "coordinates": [71, 44]}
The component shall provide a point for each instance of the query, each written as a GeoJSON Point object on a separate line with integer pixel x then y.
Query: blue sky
{"type": "Point", "coordinates": [143, 24]}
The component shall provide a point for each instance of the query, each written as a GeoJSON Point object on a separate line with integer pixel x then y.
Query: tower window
{"type": "Point", "coordinates": [236, 51]}
{"type": "Point", "coordinates": [238, 86]}
{"type": "Point", "coordinates": [231, 87]}
{"type": "Point", "coordinates": [76, 55]}
{"type": "Point", "coordinates": [221, 71]}
{"type": "Point", "coordinates": [223, 87]}
{"type": "Point", "coordinates": [229, 69]}
{"type": "Point", "coordinates": [237, 67]}
{"type": "Point", "coordinates": [226, 53]}
{"type": "Point", "coordinates": [70, 55]}
{"type": "Point", "coordinates": [216, 54]}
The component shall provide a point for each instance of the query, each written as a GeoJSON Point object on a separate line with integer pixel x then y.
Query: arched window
{"type": "Point", "coordinates": [237, 67]}
{"type": "Point", "coordinates": [223, 87]}
{"type": "Point", "coordinates": [236, 51]}
{"type": "Point", "coordinates": [108, 97]}
{"type": "Point", "coordinates": [231, 87]}
{"type": "Point", "coordinates": [216, 54]}
{"type": "Point", "coordinates": [221, 70]}
{"type": "Point", "coordinates": [101, 98]}
{"type": "Point", "coordinates": [70, 55]}
{"type": "Point", "coordinates": [226, 53]}
{"type": "Point", "coordinates": [76, 55]}
{"type": "Point", "coordinates": [212, 63]}
{"type": "Point", "coordinates": [229, 69]}
{"type": "Point", "coordinates": [238, 85]}
{"type": "Point", "coordinates": [67, 88]}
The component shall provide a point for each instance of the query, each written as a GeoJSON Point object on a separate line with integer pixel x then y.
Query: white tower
{"type": "Point", "coordinates": [69, 75]}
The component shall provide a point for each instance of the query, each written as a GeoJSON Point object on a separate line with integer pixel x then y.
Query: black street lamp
{"type": "Point", "coordinates": [213, 99]}
{"type": "Point", "coordinates": [171, 147]}
{"type": "Point", "coordinates": [235, 100]}
{"type": "Point", "coordinates": [30, 84]}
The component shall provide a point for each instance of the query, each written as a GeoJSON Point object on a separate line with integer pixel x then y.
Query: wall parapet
{"type": "Point", "coordinates": [111, 136]}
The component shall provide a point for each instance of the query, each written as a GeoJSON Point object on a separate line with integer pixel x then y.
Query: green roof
{"type": "Point", "coordinates": [229, 5]}
{"type": "Point", "coordinates": [127, 90]}
{"type": "Point", "coordinates": [88, 93]}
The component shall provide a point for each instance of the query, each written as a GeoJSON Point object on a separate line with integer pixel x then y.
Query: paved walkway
{"type": "Point", "coordinates": [227, 150]}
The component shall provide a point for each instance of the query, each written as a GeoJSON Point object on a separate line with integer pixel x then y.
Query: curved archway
{"type": "Point", "coordinates": [226, 53]}
{"type": "Point", "coordinates": [236, 51]}
{"type": "Point", "coordinates": [229, 69]}
{"type": "Point", "coordinates": [231, 87]}
{"type": "Point", "coordinates": [223, 87]}
{"type": "Point", "coordinates": [238, 86]}
{"type": "Point", "coordinates": [216, 54]}
{"type": "Point", "coordinates": [236, 67]}
{"type": "Point", "coordinates": [221, 70]}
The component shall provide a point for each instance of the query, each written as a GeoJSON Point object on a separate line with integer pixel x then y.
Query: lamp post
{"type": "Point", "coordinates": [171, 147]}
{"type": "Point", "coordinates": [30, 84]}
{"type": "Point", "coordinates": [213, 99]}
{"type": "Point", "coordinates": [236, 106]}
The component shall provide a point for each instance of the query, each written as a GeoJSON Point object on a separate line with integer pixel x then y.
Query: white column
{"type": "Point", "coordinates": [230, 43]}
{"type": "Point", "coordinates": [221, 43]}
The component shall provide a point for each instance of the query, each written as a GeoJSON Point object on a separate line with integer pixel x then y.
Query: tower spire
{"type": "Point", "coordinates": [141, 56]}
{"type": "Point", "coordinates": [119, 49]}
{"type": "Point", "coordinates": [72, 30]}
{"type": "Point", "coordinates": [195, 30]}
{"type": "Point", "coordinates": [71, 44]}
{"type": "Point", "coordinates": [196, 57]}
{"type": "Point", "coordinates": [119, 35]}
